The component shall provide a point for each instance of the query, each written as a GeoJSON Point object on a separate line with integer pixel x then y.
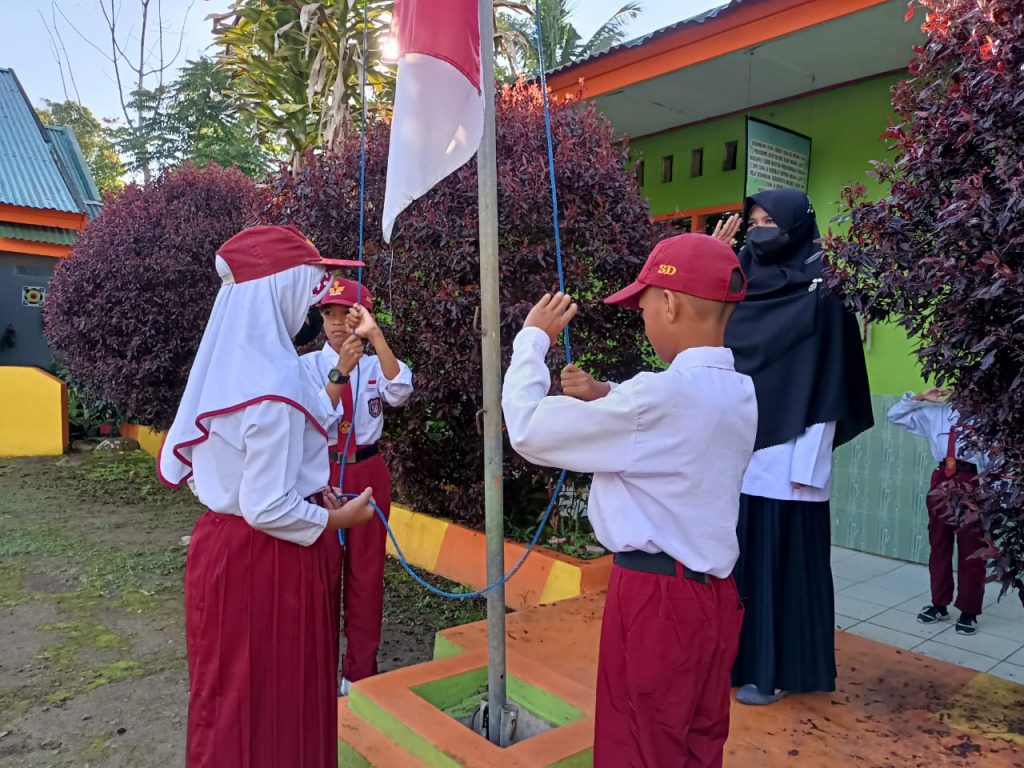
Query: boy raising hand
{"type": "Point", "coordinates": [668, 451]}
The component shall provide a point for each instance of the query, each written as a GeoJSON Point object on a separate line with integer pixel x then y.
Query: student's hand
{"type": "Point", "coordinates": [581, 385]}
{"type": "Point", "coordinates": [350, 513]}
{"type": "Point", "coordinates": [362, 322]}
{"type": "Point", "coordinates": [933, 395]}
{"type": "Point", "coordinates": [348, 356]}
{"type": "Point", "coordinates": [726, 229]}
{"type": "Point", "coordinates": [551, 314]}
{"type": "Point", "coordinates": [798, 486]}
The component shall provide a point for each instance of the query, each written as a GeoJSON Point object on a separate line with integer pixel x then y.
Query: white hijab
{"type": "Point", "coordinates": [246, 355]}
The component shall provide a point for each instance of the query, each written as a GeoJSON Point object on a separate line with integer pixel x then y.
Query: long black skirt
{"type": "Point", "coordinates": [784, 577]}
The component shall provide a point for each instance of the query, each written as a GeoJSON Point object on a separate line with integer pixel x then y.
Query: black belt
{"type": "Point", "coordinates": [658, 563]}
{"type": "Point", "coordinates": [362, 454]}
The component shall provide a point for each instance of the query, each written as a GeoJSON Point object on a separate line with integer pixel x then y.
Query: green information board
{"type": "Point", "coordinates": [776, 158]}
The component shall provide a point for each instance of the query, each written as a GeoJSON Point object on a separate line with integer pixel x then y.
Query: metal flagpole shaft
{"type": "Point", "coordinates": [491, 355]}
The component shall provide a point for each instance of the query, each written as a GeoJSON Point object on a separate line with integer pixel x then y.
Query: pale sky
{"type": "Point", "coordinates": [26, 46]}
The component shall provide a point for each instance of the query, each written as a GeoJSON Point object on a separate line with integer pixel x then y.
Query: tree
{"type": "Point", "coordinates": [562, 42]}
{"type": "Point", "coordinates": [295, 66]}
{"type": "Point", "coordinates": [201, 118]}
{"type": "Point", "coordinates": [428, 285]}
{"type": "Point", "coordinates": [93, 139]}
{"type": "Point", "coordinates": [943, 252]}
{"type": "Point", "coordinates": [126, 309]}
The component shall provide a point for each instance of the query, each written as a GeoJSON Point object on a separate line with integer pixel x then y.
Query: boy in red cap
{"type": "Point", "coordinates": [668, 451]}
{"type": "Point", "coordinates": [358, 385]}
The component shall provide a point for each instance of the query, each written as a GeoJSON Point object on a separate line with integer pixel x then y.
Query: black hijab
{"type": "Point", "coordinates": [801, 346]}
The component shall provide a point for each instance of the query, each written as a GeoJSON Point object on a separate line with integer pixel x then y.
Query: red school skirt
{"type": "Point", "coordinates": [261, 625]}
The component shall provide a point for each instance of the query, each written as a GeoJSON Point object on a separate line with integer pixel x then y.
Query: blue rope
{"type": "Point", "coordinates": [565, 334]}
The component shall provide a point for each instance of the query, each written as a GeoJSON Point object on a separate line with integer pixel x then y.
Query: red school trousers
{"type": "Point", "coordinates": [941, 535]}
{"type": "Point", "coordinates": [365, 555]}
{"type": "Point", "coordinates": [667, 647]}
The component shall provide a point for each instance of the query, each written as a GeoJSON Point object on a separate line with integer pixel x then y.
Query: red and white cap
{"type": "Point", "coordinates": [266, 250]}
{"type": "Point", "coordinates": [697, 265]}
{"type": "Point", "coordinates": [345, 292]}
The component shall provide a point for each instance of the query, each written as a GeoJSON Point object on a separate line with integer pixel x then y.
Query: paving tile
{"type": "Point", "coordinates": [956, 655]}
{"type": "Point", "coordinates": [908, 624]}
{"type": "Point", "coordinates": [1002, 627]}
{"type": "Point", "coordinates": [861, 567]}
{"type": "Point", "coordinates": [839, 553]}
{"type": "Point", "coordinates": [874, 594]}
{"type": "Point", "coordinates": [858, 609]}
{"type": "Point", "coordinates": [887, 636]}
{"type": "Point", "coordinates": [845, 622]}
{"type": "Point", "coordinates": [998, 648]}
{"type": "Point", "coordinates": [839, 583]}
{"type": "Point", "coordinates": [1008, 671]}
{"type": "Point", "coordinates": [915, 604]}
{"type": "Point", "coordinates": [1017, 658]}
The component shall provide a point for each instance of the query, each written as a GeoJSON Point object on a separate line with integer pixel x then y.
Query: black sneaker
{"type": "Point", "coordinates": [967, 624]}
{"type": "Point", "coordinates": [933, 613]}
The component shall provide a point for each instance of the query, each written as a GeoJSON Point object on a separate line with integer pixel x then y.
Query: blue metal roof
{"type": "Point", "coordinates": [71, 154]}
{"type": "Point", "coordinates": [31, 172]}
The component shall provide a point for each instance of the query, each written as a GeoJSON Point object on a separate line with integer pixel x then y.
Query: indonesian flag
{"type": "Point", "coordinates": [439, 107]}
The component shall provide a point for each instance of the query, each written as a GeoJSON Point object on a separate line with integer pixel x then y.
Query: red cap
{"type": "Point", "coordinates": [261, 251]}
{"type": "Point", "coordinates": [344, 292]}
{"type": "Point", "coordinates": [698, 265]}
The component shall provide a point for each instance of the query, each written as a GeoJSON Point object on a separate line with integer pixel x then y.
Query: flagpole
{"type": "Point", "coordinates": [491, 354]}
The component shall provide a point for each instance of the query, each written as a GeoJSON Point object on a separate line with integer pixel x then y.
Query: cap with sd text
{"type": "Point", "coordinates": [697, 265]}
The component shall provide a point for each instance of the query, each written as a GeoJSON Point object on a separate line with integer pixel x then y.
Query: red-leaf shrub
{"type": "Point", "coordinates": [127, 308]}
{"type": "Point", "coordinates": [430, 286]}
{"type": "Point", "coordinates": [942, 253]}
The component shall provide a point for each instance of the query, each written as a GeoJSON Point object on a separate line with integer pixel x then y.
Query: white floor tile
{"type": "Point", "coordinates": [1017, 658]}
{"type": "Point", "coordinates": [839, 583]}
{"type": "Point", "coordinates": [1002, 627]}
{"type": "Point", "coordinates": [900, 583]}
{"type": "Point", "coordinates": [1008, 671]}
{"type": "Point", "coordinates": [908, 624]}
{"type": "Point", "coordinates": [1009, 607]}
{"type": "Point", "coordinates": [874, 594]}
{"type": "Point", "coordinates": [915, 604]}
{"type": "Point", "coordinates": [861, 567]}
{"type": "Point", "coordinates": [998, 648]}
{"type": "Point", "coordinates": [839, 553]}
{"type": "Point", "coordinates": [858, 609]}
{"type": "Point", "coordinates": [886, 635]}
{"type": "Point", "coordinates": [845, 622]}
{"type": "Point", "coordinates": [954, 655]}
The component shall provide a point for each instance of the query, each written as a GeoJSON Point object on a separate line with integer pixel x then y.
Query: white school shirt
{"type": "Point", "coordinates": [667, 449]}
{"type": "Point", "coordinates": [281, 459]}
{"type": "Point", "coordinates": [806, 459]}
{"type": "Point", "coordinates": [374, 387]}
{"type": "Point", "coordinates": [933, 421]}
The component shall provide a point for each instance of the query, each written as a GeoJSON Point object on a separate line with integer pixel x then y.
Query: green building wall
{"type": "Point", "coordinates": [880, 479]}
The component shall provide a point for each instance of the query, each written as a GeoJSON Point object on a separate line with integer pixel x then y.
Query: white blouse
{"type": "Point", "coordinates": [806, 460]}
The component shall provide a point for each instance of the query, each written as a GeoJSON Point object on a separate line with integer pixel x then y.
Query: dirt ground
{"type": "Point", "coordinates": [92, 650]}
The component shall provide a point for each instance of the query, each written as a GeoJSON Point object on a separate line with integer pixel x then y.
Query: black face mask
{"type": "Point", "coordinates": [767, 244]}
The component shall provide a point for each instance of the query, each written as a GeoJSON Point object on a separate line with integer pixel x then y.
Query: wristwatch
{"type": "Point", "coordinates": [337, 377]}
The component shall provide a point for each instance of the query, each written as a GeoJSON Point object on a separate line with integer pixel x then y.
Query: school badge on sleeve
{"type": "Point", "coordinates": [375, 407]}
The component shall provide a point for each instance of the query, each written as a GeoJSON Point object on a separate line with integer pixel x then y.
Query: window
{"type": "Point", "coordinates": [729, 163]}
{"type": "Point", "coordinates": [697, 163]}
{"type": "Point", "coordinates": [666, 169]}
{"type": "Point", "coordinates": [640, 173]}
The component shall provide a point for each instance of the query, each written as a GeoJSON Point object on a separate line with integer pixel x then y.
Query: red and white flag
{"type": "Point", "coordinates": [439, 107]}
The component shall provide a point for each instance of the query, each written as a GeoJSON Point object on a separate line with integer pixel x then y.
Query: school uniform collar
{"type": "Point", "coordinates": [704, 357]}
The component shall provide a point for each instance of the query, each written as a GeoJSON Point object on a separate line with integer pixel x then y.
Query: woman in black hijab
{"type": "Point", "coordinates": [803, 350]}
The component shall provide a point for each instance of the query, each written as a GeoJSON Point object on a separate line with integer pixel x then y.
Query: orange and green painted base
{"type": "Point", "coordinates": [148, 439]}
{"type": "Point", "coordinates": [459, 553]}
{"type": "Point", "coordinates": [892, 707]}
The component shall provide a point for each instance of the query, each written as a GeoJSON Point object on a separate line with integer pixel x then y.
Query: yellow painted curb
{"type": "Point", "coordinates": [988, 706]}
{"type": "Point", "coordinates": [419, 536]}
{"type": "Point", "coordinates": [564, 582]}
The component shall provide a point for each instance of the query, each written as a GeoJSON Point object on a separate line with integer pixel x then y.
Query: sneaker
{"type": "Point", "coordinates": [343, 689]}
{"type": "Point", "coordinates": [967, 624]}
{"type": "Point", "coordinates": [933, 613]}
{"type": "Point", "coordinates": [752, 695]}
